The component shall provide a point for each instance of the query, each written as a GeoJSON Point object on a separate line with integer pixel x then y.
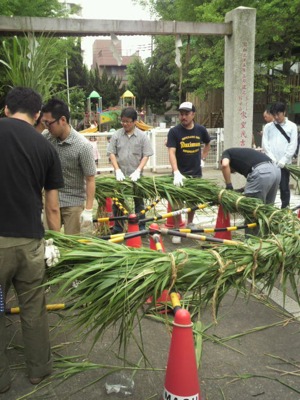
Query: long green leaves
{"type": "Point", "coordinates": [115, 281]}
{"type": "Point", "coordinates": [34, 63]}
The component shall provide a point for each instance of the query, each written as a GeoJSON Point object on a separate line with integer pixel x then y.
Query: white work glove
{"type": "Point", "coordinates": [178, 179]}
{"type": "Point", "coordinates": [119, 175]}
{"type": "Point", "coordinates": [135, 175]}
{"type": "Point", "coordinates": [86, 218]}
{"type": "Point", "coordinates": [52, 253]}
{"type": "Point", "coordinates": [281, 164]}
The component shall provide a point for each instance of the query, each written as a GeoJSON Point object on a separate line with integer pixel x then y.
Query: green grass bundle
{"type": "Point", "coordinates": [115, 281]}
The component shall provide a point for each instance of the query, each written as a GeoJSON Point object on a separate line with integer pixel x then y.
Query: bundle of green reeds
{"type": "Point", "coordinates": [115, 281]}
{"type": "Point", "coordinates": [196, 191]}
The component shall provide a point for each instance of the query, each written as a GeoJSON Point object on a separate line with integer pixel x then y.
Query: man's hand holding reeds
{"type": "Point", "coordinates": [119, 175]}
{"type": "Point", "coordinates": [178, 178]}
{"type": "Point", "coordinates": [281, 164]}
{"type": "Point", "coordinates": [229, 186]}
{"type": "Point", "coordinates": [135, 175]}
{"type": "Point", "coordinates": [86, 218]}
{"type": "Point", "coordinates": [52, 253]}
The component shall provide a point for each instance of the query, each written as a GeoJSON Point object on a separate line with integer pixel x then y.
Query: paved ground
{"type": "Point", "coordinates": [252, 353]}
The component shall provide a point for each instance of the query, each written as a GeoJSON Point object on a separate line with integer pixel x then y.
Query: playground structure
{"type": "Point", "coordinates": [93, 119]}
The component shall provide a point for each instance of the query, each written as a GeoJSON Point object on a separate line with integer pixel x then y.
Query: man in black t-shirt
{"type": "Point", "coordinates": [184, 146]}
{"type": "Point", "coordinates": [263, 176]}
{"type": "Point", "coordinates": [28, 163]}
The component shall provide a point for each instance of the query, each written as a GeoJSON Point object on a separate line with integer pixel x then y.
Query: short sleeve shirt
{"type": "Point", "coordinates": [129, 150]}
{"type": "Point", "coordinates": [28, 163]}
{"type": "Point", "coordinates": [77, 161]}
{"type": "Point", "coordinates": [188, 144]}
{"type": "Point", "coordinates": [242, 160]}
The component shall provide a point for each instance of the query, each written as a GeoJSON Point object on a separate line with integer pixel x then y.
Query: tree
{"type": "Point", "coordinates": [37, 8]}
{"type": "Point", "coordinates": [277, 41]}
{"type": "Point", "coordinates": [32, 61]}
{"type": "Point", "coordinates": [137, 73]}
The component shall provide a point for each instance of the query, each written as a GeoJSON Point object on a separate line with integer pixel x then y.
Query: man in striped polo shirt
{"type": "Point", "coordinates": [78, 166]}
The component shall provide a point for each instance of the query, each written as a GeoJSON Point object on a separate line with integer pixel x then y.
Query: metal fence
{"type": "Point", "coordinates": [160, 159]}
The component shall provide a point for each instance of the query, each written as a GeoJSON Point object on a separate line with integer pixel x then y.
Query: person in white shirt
{"type": "Point", "coordinates": [279, 142]}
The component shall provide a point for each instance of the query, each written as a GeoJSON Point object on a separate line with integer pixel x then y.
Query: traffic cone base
{"type": "Point", "coordinates": [170, 224]}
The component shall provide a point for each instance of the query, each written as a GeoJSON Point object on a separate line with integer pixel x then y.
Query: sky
{"type": "Point", "coordinates": [119, 10]}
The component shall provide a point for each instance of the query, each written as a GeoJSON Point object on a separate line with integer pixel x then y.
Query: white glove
{"type": "Point", "coordinates": [281, 164]}
{"type": "Point", "coordinates": [135, 175]}
{"type": "Point", "coordinates": [178, 179]}
{"type": "Point", "coordinates": [202, 163]}
{"type": "Point", "coordinates": [119, 175]}
{"type": "Point", "coordinates": [52, 253]}
{"type": "Point", "coordinates": [86, 218]}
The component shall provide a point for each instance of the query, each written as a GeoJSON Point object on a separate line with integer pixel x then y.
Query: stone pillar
{"type": "Point", "coordinates": [239, 78]}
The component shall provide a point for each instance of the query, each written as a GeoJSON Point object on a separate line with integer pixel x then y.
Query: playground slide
{"type": "Point", "coordinates": [142, 126]}
{"type": "Point", "coordinates": [91, 129]}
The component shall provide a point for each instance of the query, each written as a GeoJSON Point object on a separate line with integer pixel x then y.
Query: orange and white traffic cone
{"type": "Point", "coordinates": [182, 375]}
{"type": "Point", "coordinates": [223, 221]}
{"type": "Point", "coordinates": [133, 226]}
{"type": "Point", "coordinates": [170, 220]}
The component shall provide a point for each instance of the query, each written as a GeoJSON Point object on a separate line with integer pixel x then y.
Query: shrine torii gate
{"type": "Point", "coordinates": [239, 32]}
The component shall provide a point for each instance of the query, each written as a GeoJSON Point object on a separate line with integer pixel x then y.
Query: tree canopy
{"type": "Point", "coordinates": [277, 41]}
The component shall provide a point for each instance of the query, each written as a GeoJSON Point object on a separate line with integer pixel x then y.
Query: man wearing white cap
{"type": "Point", "coordinates": [184, 145]}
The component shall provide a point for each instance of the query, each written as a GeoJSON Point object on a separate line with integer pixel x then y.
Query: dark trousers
{"type": "Point", "coordinates": [138, 207]}
{"type": "Point", "coordinates": [284, 187]}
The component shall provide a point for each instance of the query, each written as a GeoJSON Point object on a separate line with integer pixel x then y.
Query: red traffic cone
{"type": "Point", "coordinates": [182, 375]}
{"type": "Point", "coordinates": [223, 221]}
{"type": "Point", "coordinates": [170, 220]}
{"type": "Point", "coordinates": [133, 226]}
{"type": "Point", "coordinates": [109, 211]}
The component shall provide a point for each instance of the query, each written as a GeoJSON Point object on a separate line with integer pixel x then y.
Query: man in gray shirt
{"type": "Point", "coordinates": [129, 150]}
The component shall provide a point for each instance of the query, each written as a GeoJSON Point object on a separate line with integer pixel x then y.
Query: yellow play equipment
{"type": "Point", "coordinates": [142, 126]}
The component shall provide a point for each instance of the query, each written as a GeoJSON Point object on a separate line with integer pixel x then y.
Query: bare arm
{"type": "Point", "coordinates": [225, 165]}
{"type": "Point", "coordinates": [205, 150]}
{"type": "Point", "coordinates": [52, 210]}
{"type": "Point", "coordinates": [90, 191]}
{"type": "Point", "coordinates": [172, 158]}
{"type": "Point", "coordinates": [114, 161]}
{"type": "Point", "coordinates": [143, 162]}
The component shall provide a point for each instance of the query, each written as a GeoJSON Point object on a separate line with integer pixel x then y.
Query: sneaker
{"type": "Point", "coordinates": [176, 239]}
{"type": "Point", "coordinates": [36, 381]}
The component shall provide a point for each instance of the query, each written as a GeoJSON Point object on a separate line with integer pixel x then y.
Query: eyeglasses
{"type": "Point", "coordinates": [49, 123]}
{"type": "Point", "coordinates": [126, 122]}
